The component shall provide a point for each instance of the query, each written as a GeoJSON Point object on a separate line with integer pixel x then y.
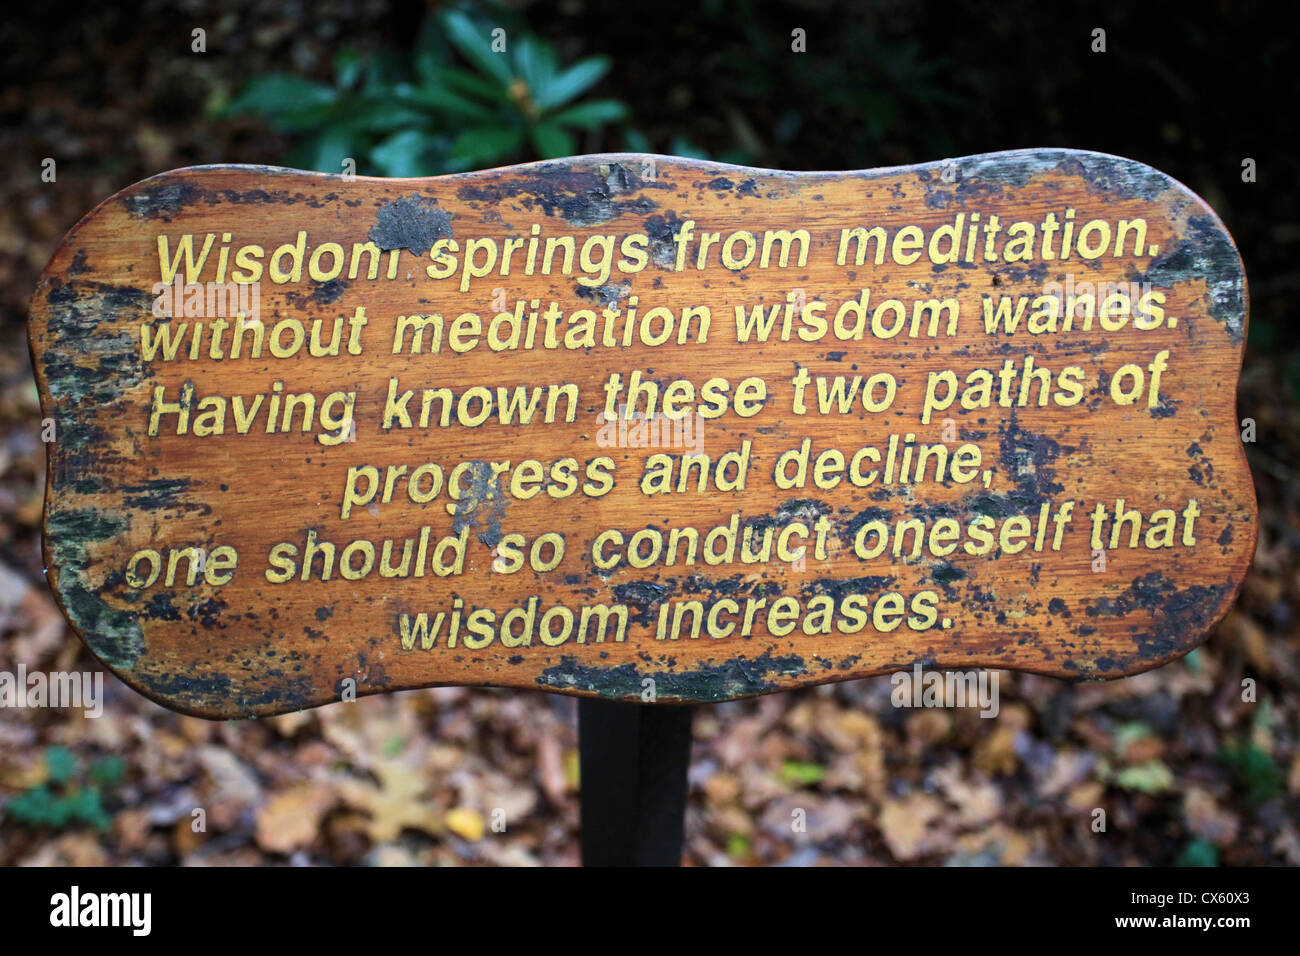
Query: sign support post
{"type": "Point", "coordinates": [634, 760]}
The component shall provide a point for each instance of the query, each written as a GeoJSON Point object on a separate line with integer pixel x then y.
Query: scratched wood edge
{"type": "Point", "coordinates": [104, 629]}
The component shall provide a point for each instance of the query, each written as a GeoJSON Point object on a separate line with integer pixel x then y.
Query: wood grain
{"type": "Point", "coordinates": [253, 647]}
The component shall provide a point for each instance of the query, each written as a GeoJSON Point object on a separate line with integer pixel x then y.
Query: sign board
{"type": "Point", "coordinates": [641, 428]}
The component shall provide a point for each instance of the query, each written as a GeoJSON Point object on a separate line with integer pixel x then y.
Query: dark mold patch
{"type": "Point", "coordinates": [660, 229]}
{"type": "Point", "coordinates": [582, 197]}
{"type": "Point", "coordinates": [162, 202]}
{"type": "Point", "coordinates": [1179, 615]}
{"type": "Point", "coordinates": [1206, 254]}
{"type": "Point", "coordinates": [839, 590]}
{"type": "Point", "coordinates": [708, 684]}
{"type": "Point", "coordinates": [607, 294]}
{"type": "Point", "coordinates": [1125, 178]}
{"type": "Point", "coordinates": [482, 505]}
{"type": "Point", "coordinates": [1027, 458]}
{"type": "Point", "coordinates": [945, 575]}
{"type": "Point", "coordinates": [327, 292]}
{"type": "Point", "coordinates": [644, 596]}
{"type": "Point", "coordinates": [157, 494]}
{"type": "Point", "coordinates": [412, 222]}
{"type": "Point", "coordinates": [113, 635]}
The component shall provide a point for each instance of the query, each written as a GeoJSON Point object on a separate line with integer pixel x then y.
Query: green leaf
{"type": "Point", "coordinates": [386, 117]}
{"type": "Point", "coordinates": [573, 81]}
{"type": "Point", "coordinates": [591, 114]}
{"type": "Point", "coordinates": [484, 145]}
{"type": "Point", "coordinates": [738, 846]}
{"type": "Point", "coordinates": [1254, 769]}
{"type": "Point", "coordinates": [108, 771]}
{"type": "Point", "coordinates": [551, 141]}
{"type": "Point", "coordinates": [348, 65]}
{"type": "Point", "coordinates": [537, 65]}
{"type": "Point", "coordinates": [34, 807]}
{"type": "Point", "coordinates": [681, 146]}
{"type": "Point", "coordinates": [325, 153]}
{"type": "Point", "coordinates": [384, 70]}
{"type": "Point", "coordinates": [1150, 777]}
{"type": "Point", "coordinates": [85, 805]}
{"type": "Point", "coordinates": [291, 103]}
{"type": "Point", "coordinates": [441, 100]}
{"type": "Point", "coordinates": [1198, 853]}
{"type": "Point", "coordinates": [427, 64]}
{"type": "Point", "coordinates": [799, 774]}
{"type": "Point", "coordinates": [61, 764]}
{"type": "Point", "coordinates": [474, 44]}
{"type": "Point", "coordinates": [1128, 734]}
{"type": "Point", "coordinates": [637, 141]}
{"type": "Point", "coordinates": [474, 86]}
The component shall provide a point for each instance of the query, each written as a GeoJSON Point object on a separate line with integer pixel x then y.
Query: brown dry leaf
{"type": "Point", "coordinates": [70, 849]}
{"type": "Point", "coordinates": [27, 771]}
{"type": "Point", "coordinates": [722, 788]}
{"type": "Point", "coordinates": [32, 614]}
{"type": "Point", "coordinates": [393, 856]}
{"type": "Point", "coordinates": [1206, 819]}
{"type": "Point", "coordinates": [185, 841]}
{"type": "Point", "coordinates": [132, 827]}
{"type": "Point", "coordinates": [371, 729]}
{"type": "Point", "coordinates": [1143, 749]}
{"type": "Point", "coordinates": [1069, 767]}
{"type": "Point", "coordinates": [240, 856]}
{"type": "Point", "coordinates": [397, 803]}
{"type": "Point", "coordinates": [290, 819]}
{"type": "Point", "coordinates": [996, 753]}
{"type": "Point", "coordinates": [510, 854]}
{"type": "Point", "coordinates": [731, 819]}
{"type": "Point", "coordinates": [517, 800]}
{"type": "Point", "coordinates": [1085, 797]}
{"type": "Point", "coordinates": [925, 728]}
{"type": "Point", "coordinates": [550, 769]}
{"type": "Point", "coordinates": [1255, 643]}
{"type": "Point", "coordinates": [1016, 847]}
{"type": "Point", "coordinates": [905, 825]}
{"type": "Point", "coordinates": [234, 786]}
{"type": "Point", "coordinates": [286, 725]}
{"type": "Point", "coordinates": [1287, 843]}
{"type": "Point", "coordinates": [976, 802]}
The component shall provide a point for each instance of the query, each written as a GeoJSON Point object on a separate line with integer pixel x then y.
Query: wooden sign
{"type": "Point", "coordinates": [641, 428]}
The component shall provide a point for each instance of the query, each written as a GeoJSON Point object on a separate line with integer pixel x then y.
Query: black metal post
{"type": "Point", "coordinates": [634, 759]}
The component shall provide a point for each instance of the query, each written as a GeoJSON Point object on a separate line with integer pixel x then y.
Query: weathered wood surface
{"type": "Point", "coordinates": [253, 647]}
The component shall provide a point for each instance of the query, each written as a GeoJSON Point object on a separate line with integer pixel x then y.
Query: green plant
{"type": "Point", "coordinates": [1253, 770]}
{"type": "Point", "coordinates": [1198, 853]}
{"type": "Point", "coordinates": [64, 800]}
{"type": "Point", "coordinates": [471, 94]}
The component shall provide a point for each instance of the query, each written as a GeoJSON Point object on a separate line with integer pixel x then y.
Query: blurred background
{"type": "Point", "coordinates": [1187, 772]}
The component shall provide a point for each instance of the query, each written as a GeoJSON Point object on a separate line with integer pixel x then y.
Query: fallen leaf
{"type": "Point", "coordinates": [397, 803]}
{"type": "Point", "coordinates": [466, 823]}
{"type": "Point", "coordinates": [905, 825]}
{"type": "Point", "coordinates": [290, 819]}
